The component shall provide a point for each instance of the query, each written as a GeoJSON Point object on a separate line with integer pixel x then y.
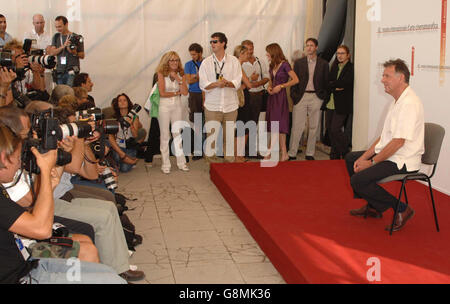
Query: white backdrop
{"type": "Point", "coordinates": [411, 30]}
{"type": "Point", "coordinates": [124, 40]}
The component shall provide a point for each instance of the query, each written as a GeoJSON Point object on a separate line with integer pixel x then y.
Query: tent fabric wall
{"type": "Point", "coordinates": [124, 40]}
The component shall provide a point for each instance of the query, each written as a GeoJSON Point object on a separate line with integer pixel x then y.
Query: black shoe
{"type": "Point", "coordinates": [309, 158]}
{"type": "Point", "coordinates": [194, 158]}
{"type": "Point", "coordinates": [292, 158]}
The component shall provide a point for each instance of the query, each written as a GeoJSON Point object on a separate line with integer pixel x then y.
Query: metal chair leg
{"type": "Point", "coordinates": [397, 207]}
{"type": "Point", "coordinates": [434, 207]}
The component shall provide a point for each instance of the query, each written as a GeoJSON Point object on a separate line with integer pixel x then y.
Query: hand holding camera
{"type": "Point", "coordinates": [45, 161]}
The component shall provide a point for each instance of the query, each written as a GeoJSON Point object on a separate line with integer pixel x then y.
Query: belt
{"type": "Point", "coordinates": [311, 92]}
{"type": "Point", "coordinates": [257, 93]}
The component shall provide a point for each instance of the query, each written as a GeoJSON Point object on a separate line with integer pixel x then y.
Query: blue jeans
{"type": "Point", "coordinates": [73, 271]}
{"type": "Point", "coordinates": [76, 179]}
{"type": "Point", "coordinates": [123, 167]}
{"type": "Point", "coordinates": [65, 78]}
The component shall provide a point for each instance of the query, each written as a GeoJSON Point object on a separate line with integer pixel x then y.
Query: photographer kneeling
{"type": "Point", "coordinates": [16, 266]}
{"type": "Point", "coordinates": [125, 143]}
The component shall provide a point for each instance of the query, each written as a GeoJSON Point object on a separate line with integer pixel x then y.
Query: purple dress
{"type": "Point", "coordinates": [277, 105]}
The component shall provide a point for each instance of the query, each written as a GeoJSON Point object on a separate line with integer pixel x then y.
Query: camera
{"type": "Point", "coordinates": [48, 128]}
{"type": "Point", "coordinates": [108, 177]}
{"type": "Point", "coordinates": [94, 114]}
{"type": "Point", "coordinates": [6, 60]}
{"type": "Point", "coordinates": [29, 160]}
{"type": "Point", "coordinates": [131, 114]}
{"type": "Point", "coordinates": [75, 40]}
{"type": "Point", "coordinates": [134, 110]}
{"type": "Point", "coordinates": [37, 56]}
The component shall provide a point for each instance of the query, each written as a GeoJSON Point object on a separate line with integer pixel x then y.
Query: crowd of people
{"type": "Point", "coordinates": [58, 200]}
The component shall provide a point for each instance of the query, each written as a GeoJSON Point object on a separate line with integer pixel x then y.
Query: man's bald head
{"type": "Point", "coordinates": [39, 23]}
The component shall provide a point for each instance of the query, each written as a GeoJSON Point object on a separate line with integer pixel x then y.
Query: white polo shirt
{"type": "Point", "coordinates": [43, 41]}
{"type": "Point", "coordinates": [257, 67]}
{"type": "Point", "coordinates": [221, 99]}
{"type": "Point", "coordinates": [405, 120]}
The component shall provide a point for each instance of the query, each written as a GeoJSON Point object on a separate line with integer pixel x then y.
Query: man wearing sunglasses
{"type": "Point", "coordinates": [220, 77]}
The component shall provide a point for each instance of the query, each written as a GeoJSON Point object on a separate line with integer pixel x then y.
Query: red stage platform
{"type": "Point", "coordinates": [298, 212]}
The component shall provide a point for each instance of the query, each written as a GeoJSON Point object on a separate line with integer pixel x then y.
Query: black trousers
{"type": "Point", "coordinates": [335, 123]}
{"type": "Point", "coordinates": [365, 185]}
{"type": "Point", "coordinates": [76, 227]}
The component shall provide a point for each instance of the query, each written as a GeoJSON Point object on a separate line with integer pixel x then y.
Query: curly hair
{"type": "Point", "coordinates": [115, 105]}
{"type": "Point", "coordinates": [163, 66]}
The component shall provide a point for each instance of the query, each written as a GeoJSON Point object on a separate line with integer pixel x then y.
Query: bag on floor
{"type": "Point", "coordinates": [129, 230]}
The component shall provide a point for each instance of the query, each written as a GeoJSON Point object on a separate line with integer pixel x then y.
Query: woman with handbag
{"type": "Point", "coordinates": [171, 84]}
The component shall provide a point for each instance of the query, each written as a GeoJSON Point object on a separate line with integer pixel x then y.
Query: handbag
{"type": "Point", "coordinates": [241, 97]}
{"type": "Point", "coordinates": [152, 103]}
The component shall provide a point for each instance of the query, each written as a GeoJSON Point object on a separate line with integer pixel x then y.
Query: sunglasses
{"type": "Point", "coordinates": [214, 41]}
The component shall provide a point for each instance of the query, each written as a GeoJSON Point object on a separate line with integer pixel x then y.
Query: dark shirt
{"type": "Point", "coordinates": [12, 264]}
{"type": "Point", "coordinates": [71, 60]}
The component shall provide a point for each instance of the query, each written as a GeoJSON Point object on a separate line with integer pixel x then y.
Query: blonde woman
{"type": "Point", "coordinates": [244, 111]}
{"type": "Point", "coordinates": [171, 85]}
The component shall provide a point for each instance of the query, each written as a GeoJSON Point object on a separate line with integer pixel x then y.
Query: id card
{"type": "Point", "coordinates": [63, 60]}
{"type": "Point", "coordinates": [22, 248]}
{"type": "Point", "coordinates": [220, 77]}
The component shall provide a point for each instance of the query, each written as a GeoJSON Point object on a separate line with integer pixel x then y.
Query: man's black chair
{"type": "Point", "coordinates": [434, 136]}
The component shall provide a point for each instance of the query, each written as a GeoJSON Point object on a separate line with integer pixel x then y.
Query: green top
{"type": "Point", "coordinates": [330, 104]}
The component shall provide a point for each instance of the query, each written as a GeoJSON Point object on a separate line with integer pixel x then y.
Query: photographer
{"type": "Point", "coordinates": [16, 266]}
{"type": "Point", "coordinates": [83, 80]}
{"type": "Point", "coordinates": [69, 49]}
{"type": "Point", "coordinates": [101, 214]}
{"type": "Point", "coordinates": [30, 75]}
{"type": "Point", "coordinates": [6, 78]}
{"type": "Point", "coordinates": [125, 142]}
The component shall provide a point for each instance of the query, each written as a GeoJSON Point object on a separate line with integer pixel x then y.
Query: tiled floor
{"type": "Point", "coordinates": [190, 233]}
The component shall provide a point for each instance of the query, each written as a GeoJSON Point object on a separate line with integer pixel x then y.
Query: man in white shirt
{"type": "Point", "coordinates": [43, 42]}
{"type": "Point", "coordinates": [397, 151]}
{"type": "Point", "coordinates": [258, 74]}
{"type": "Point", "coordinates": [220, 76]}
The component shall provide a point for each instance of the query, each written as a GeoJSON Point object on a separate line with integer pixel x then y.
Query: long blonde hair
{"type": "Point", "coordinates": [163, 66]}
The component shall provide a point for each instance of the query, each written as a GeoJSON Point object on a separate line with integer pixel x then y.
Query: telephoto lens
{"type": "Point", "coordinates": [108, 178]}
{"type": "Point", "coordinates": [79, 129]}
{"type": "Point", "coordinates": [135, 109]}
{"type": "Point", "coordinates": [48, 62]}
{"type": "Point", "coordinates": [94, 114]}
{"type": "Point", "coordinates": [110, 126]}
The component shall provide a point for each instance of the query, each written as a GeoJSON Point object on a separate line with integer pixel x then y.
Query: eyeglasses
{"type": "Point", "coordinates": [214, 41]}
{"type": "Point", "coordinates": [339, 53]}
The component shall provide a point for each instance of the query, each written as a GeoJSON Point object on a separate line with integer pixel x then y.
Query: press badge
{"type": "Point", "coordinates": [22, 248]}
{"type": "Point", "coordinates": [63, 60]}
{"type": "Point", "coordinates": [121, 141]}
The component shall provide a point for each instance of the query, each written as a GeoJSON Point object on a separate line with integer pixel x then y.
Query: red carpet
{"type": "Point", "coordinates": [298, 212]}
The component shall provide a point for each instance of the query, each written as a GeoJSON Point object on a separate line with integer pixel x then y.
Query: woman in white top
{"type": "Point", "coordinates": [171, 85]}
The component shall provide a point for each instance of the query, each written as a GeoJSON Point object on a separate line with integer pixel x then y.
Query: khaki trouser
{"type": "Point", "coordinates": [222, 119]}
{"type": "Point", "coordinates": [307, 108]}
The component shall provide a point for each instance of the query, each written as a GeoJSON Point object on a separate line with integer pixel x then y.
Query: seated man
{"type": "Point", "coordinates": [83, 80]}
{"type": "Point", "coordinates": [397, 151]}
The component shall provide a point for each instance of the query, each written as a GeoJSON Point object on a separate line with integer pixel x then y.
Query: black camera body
{"type": "Point", "coordinates": [6, 60]}
{"type": "Point", "coordinates": [75, 41]}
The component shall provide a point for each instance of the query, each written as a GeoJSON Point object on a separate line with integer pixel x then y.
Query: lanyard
{"type": "Point", "coordinates": [216, 64]}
